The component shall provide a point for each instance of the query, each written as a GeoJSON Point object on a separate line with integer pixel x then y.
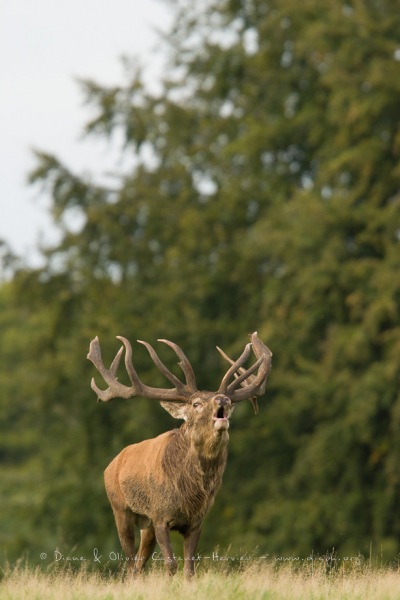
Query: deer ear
{"type": "Point", "coordinates": [176, 409]}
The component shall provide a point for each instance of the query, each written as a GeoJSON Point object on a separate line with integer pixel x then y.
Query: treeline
{"type": "Point", "coordinates": [265, 196]}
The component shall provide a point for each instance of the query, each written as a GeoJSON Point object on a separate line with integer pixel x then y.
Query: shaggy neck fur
{"type": "Point", "coordinates": [195, 465]}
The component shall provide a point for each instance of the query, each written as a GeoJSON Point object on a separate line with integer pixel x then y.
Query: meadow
{"type": "Point", "coordinates": [256, 581]}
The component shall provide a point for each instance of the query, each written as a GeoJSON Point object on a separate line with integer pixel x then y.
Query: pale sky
{"type": "Point", "coordinates": [44, 46]}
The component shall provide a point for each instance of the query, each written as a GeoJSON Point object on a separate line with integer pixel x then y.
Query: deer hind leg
{"type": "Point", "coordinates": [124, 520]}
{"type": "Point", "coordinates": [146, 548]}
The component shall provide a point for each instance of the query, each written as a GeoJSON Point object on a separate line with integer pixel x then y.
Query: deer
{"type": "Point", "coordinates": [169, 483]}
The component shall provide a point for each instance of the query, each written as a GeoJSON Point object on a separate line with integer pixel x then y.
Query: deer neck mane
{"type": "Point", "coordinates": [206, 445]}
{"type": "Point", "coordinates": [197, 476]}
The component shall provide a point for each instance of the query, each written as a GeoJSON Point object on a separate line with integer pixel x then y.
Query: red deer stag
{"type": "Point", "coordinates": [170, 482]}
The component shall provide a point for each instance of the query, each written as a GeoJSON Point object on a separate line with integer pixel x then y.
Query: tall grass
{"type": "Point", "coordinates": [255, 581]}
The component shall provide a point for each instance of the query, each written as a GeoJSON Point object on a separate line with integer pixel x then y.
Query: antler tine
{"type": "Point", "coordinates": [226, 357]}
{"type": "Point", "coordinates": [130, 369]}
{"type": "Point", "coordinates": [161, 367]}
{"type": "Point", "coordinates": [243, 377]}
{"type": "Point", "coordinates": [263, 350]}
{"type": "Point", "coordinates": [252, 385]}
{"type": "Point", "coordinates": [245, 382]}
{"type": "Point", "coordinates": [257, 384]}
{"type": "Point", "coordinates": [184, 365]}
{"type": "Point", "coordinates": [241, 370]}
{"type": "Point", "coordinates": [223, 388]}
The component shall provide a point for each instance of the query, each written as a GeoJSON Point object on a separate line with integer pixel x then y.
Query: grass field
{"type": "Point", "coordinates": [255, 581]}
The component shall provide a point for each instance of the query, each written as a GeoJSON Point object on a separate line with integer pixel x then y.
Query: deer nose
{"type": "Point", "coordinates": [222, 400]}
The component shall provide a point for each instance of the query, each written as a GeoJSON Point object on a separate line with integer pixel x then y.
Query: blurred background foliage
{"type": "Point", "coordinates": [265, 196]}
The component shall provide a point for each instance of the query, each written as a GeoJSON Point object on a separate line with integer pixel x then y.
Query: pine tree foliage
{"type": "Point", "coordinates": [265, 196]}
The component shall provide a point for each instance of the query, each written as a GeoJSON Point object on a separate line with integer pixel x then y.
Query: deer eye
{"type": "Point", "coordinates": [197, 405]}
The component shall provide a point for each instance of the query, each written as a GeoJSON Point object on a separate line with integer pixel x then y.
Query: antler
{"type": "Point", "coordinates": [252, 385]}
{"type": "Point", "coordinates": [180, 393]}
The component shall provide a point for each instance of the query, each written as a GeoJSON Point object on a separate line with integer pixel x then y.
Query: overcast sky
{"type": "Point", "coordinates": [44, 46]}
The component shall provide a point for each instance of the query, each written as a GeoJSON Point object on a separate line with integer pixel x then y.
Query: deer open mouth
{"type": "Point", "coordinates": [221, 419]}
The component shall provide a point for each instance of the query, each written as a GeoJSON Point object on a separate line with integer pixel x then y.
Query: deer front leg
{"type": "Point", "coordinates": [162, 536]}
{"type": "Point", "coordinates": [190, 542]}
{"type": "Point", "coordinates": [124, 521]}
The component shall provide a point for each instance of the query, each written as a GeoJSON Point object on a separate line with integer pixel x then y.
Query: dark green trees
{"type": "Point", "coordinates": [265, 196]}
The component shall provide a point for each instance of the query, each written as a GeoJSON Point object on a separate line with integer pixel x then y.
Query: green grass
{"type": "Point", "coordinates": [256, 581]}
